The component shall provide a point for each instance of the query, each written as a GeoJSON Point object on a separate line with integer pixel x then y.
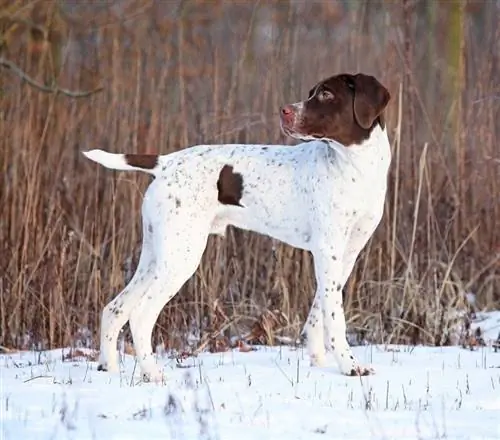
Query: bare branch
{"type": "Point", "coordinates": [43, 88]}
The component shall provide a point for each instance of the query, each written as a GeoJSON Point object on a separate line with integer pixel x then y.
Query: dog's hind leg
{"type": "Point", "coordinates": [179, 246]}
{"type": "Point", "coordinates": [117, 312]}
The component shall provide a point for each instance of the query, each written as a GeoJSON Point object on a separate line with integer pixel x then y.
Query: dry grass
{"type": "Point", "coordinates": [203, 72]}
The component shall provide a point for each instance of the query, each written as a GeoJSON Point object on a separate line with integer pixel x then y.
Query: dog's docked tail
{"type": "Point", "coordinates": [149, 163]}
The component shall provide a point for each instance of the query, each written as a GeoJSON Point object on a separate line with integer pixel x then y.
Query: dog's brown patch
{"type": "Point", "coordinates": [144, 161]}
{"type": "Point", "coordinates": [230, 186]}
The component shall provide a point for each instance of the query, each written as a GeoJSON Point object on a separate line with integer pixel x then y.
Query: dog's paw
{"type": "Point", "coordinates": [103, 364]}
{"type": "Point", "coordinates": [155, 377]}
{"type": "Point", "coordinates": [360, 371]}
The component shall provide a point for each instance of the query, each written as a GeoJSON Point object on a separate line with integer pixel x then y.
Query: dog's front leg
{"type": "Point", "coordinates": [329, 276]}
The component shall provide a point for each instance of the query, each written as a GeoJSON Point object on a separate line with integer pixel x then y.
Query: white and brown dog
{"type": "Point", "coordinates": [325, 196]}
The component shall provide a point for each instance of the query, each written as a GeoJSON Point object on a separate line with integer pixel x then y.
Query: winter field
{"type": "Point", "coordinates": [269, 393]}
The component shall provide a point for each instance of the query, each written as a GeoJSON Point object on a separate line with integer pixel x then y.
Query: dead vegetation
{"type": "Point", "coordinates": [174, 74]}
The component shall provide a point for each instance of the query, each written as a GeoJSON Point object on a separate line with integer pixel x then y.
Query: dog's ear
{"type": "Point", "coordinates": [370, 99]}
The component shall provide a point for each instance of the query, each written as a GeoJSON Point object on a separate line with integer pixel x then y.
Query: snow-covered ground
{"type": "Point", "coordinates": [270, 393]}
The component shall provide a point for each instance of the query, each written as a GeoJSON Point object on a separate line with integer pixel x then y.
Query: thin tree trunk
{"type": "Point", "coordinates": [456, 63]}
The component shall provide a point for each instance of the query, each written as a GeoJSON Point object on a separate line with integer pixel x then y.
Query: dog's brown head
{"type": "Point", "coordinates": [344, 108]}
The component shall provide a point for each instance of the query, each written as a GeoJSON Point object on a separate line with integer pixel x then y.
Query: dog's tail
{"type": "Point", "coordinates": [149, 163]}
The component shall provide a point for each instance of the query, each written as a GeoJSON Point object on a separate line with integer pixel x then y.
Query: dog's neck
{"type": "Point", "coordinates": [372, 152]}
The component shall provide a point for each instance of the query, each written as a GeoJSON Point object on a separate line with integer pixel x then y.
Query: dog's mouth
{"type": "Point", "coordinates": [295, 133]}
{"type": "Point", "coordinates": [291, 132]}
{"type": "Point", "coordinates": [287, 130]}
{"type": "Point", "coordinates": [288, 127]}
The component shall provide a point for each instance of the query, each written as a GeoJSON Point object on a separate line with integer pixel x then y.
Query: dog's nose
{"type": "Point", "coordinates": [287, 113]}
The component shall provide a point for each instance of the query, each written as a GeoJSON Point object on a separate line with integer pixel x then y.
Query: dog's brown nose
{"type": "Point", "coordinates": [287, 113]}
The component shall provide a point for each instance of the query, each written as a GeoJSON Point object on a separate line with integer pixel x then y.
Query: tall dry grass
{"type": "Point", "coordinates": [179, 73]}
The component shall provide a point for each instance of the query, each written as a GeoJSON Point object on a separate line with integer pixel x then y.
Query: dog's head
{"type": "Point", "coordinates": [344, 108]}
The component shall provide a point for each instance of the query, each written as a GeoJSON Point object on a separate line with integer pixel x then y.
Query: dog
{"type": "Point", "coordinates": [324, 195]}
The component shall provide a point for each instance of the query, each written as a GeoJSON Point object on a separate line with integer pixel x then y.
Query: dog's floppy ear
{"type": "Point", "coordinates": [370, 99]}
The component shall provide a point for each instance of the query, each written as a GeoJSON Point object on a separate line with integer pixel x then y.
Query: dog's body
{"type": "Point", "coordinates": [321, 196]}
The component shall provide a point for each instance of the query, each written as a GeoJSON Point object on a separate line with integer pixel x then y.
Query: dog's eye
{"type": "Point", "coordinates": [325, 95]}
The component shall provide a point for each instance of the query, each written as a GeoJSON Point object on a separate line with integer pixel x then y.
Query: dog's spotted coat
{"type": "Point", "coordinates": [325, 196]}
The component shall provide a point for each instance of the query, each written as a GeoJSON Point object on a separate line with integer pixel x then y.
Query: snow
{"type": "Point", "coordinates": [270, 393]}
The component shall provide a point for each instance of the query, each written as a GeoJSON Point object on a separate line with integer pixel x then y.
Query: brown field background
{"type": "Point", "coordinates": [177, 73]}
